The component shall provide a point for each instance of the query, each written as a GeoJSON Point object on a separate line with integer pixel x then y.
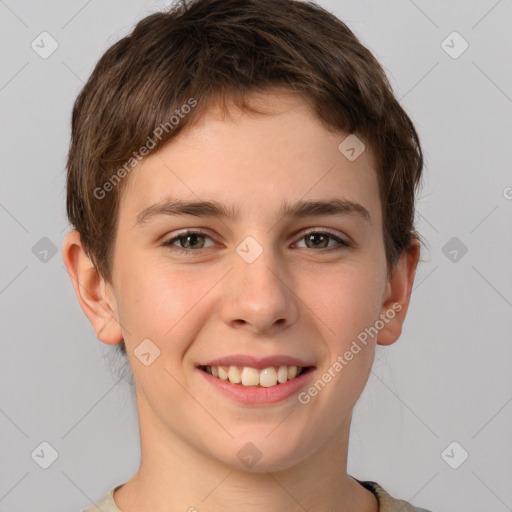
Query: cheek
{"type": "Point", "coordinates": [347, 302]}
{"type": "Point", "coordinates": [353, 347]}
{"type": "Point", "coordinates": [164, 306]}
{"type": "Point", "coordinates": [347, 311]}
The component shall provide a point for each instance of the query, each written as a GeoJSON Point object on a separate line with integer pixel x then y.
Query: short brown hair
{"type": "Point", "coordinates": [224, 49]}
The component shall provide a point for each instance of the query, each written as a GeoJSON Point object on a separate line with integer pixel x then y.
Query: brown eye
{"type": "Point", "coordinates": [188, 241]}
{"type": "Point", "coordinates": [320, 239]}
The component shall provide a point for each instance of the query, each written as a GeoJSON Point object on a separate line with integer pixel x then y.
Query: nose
{"type": "Point", "coordinates": [259, 296]}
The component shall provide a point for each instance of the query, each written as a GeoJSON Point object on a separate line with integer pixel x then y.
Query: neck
{"type": "Point", "coordinates": [174, 476]}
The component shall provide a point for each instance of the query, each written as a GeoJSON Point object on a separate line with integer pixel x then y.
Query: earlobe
{"type": "Point", "coordinates": [91, 290]}
{"type": "Point", "coordinates": [397, 295]}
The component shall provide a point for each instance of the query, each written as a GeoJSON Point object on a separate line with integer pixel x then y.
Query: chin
{"type": "Point", "coordinates": [261, 452]}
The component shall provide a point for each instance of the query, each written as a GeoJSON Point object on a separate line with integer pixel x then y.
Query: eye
{"type": "Point", "coordinates": [188, 240]}
{"type": "Point", "coordinates": [192, 241]}
{"type": "Point", "coordinates": [315, 239]}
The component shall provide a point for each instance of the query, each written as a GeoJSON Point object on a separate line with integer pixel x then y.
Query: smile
{"type": "Point", "coordinates": [249, 376]}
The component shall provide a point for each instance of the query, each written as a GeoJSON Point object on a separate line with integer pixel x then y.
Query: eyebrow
{"type": "Point", "coordinates": [214, 209]}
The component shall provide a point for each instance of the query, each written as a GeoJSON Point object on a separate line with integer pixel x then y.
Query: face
{"type": "Point", "coordinates": [255, 289]}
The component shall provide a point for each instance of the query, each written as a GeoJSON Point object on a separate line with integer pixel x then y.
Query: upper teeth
{"type": "Point", "coordinates": [248, 376]}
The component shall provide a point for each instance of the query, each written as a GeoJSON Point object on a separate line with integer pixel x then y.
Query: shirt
{"type": "Point", "coordinates": [386, 502]}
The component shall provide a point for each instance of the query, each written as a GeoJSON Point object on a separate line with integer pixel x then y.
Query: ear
{"type": "Point", "coordinates": [95, 296]}
{"type": "Point", "coordinates": [397, 294]}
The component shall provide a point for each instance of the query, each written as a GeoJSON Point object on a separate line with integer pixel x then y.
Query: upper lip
{"type": "Point", "coordinates": [257, 362]}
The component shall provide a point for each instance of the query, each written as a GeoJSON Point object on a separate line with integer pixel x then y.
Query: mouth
{"type": "Point", "coordinates": [247, 376]}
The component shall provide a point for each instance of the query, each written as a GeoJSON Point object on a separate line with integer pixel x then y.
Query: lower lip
{"type": "Point", "coordinates": [257, 395]}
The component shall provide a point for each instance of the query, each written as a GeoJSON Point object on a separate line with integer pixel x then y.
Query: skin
{"type": "Point", "coordinates": [294, 299]}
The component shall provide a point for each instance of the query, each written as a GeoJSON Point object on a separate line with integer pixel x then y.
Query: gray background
{"type": "Point", "coordinates": [447, 379]}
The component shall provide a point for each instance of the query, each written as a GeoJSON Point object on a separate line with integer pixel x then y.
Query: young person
{"type": "Point", "coordinates": [241, 184]}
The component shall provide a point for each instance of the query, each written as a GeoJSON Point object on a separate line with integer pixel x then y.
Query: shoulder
{"type": "Point", "coordinates": [105, 504]}
{"type": "Point", "coordinates": [386, 502]}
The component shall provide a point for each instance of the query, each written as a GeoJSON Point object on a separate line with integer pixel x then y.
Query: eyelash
{"type": "Point", "coordinates": [344, 244]}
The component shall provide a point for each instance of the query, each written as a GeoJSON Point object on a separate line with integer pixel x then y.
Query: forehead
{"type": "Point", "coordinates": [254, 163]}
